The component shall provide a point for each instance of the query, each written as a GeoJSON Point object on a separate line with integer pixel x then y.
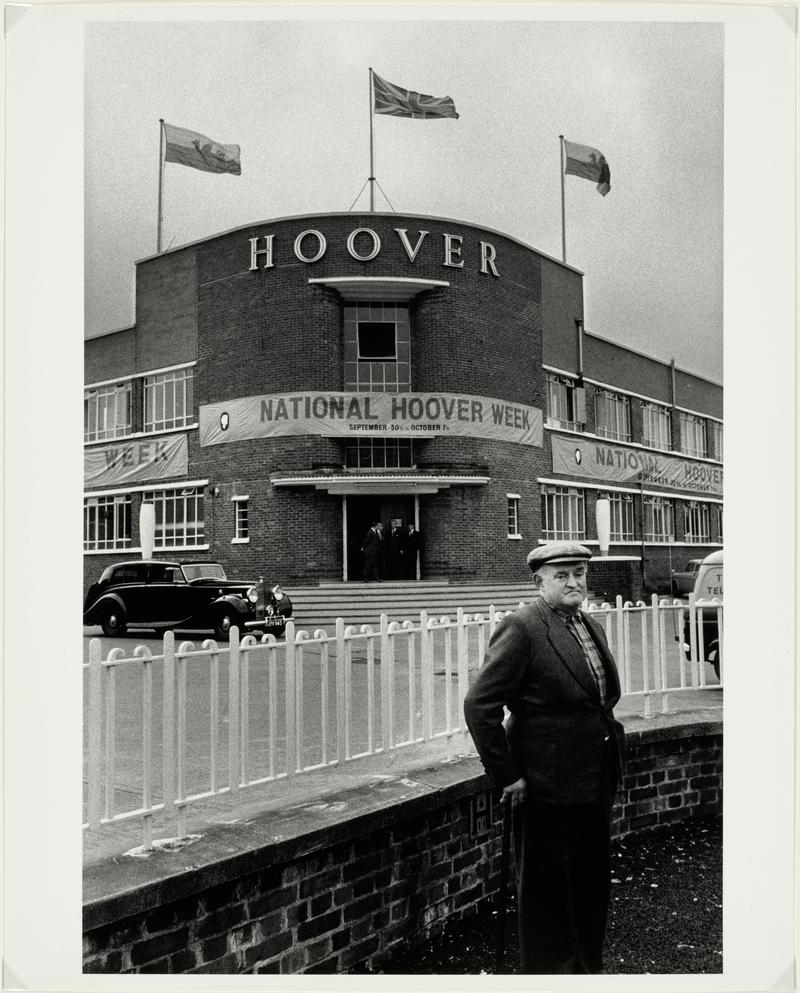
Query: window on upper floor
{"type": "Point", "coordinates": [566, 403]}
{"type": "Point", "coordinates": [179, 517]}
{"type": "Point", "coordinates": [563, 513]}
{"type": "Point", "coordinates": [719, 523]}
{"type": "Point", "coordinates": [513, 515]}
{"type": "Point", "coordinates": [377, 359]}
{"type": "Point", "coordinates": [656, 426]}
{"type": "Point", "coordinates": [621, 516]}
{"type": "Point", "coordinates": [107, 411]}
{"type": "Point", "coordinates": [659, 519]}
{"type": "Point", "coordinates": [716, 440]}
{"type": "Point", "coordinates": [168, 400]}
{"type": "Point", "coordinates": [695, 522]}
{"type": "Point", "coordinates": [693, 435]}
{"type": "Point", "coordinates": [612, 413]}
{"type": "Point", "coordinates": [379, 453]}
{"type": "Point", "coordinates": [107, 523]}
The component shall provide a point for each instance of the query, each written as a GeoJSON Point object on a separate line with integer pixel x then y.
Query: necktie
{"type": "Point", "coordinates": [590, 653]}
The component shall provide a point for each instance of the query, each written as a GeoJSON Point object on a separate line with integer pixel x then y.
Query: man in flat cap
{"type": "Point", "coordinates": [559, 759]}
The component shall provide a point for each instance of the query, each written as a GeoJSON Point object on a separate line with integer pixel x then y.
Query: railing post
{"type": "Point", "coordinates": [369, 644]}
{"type": "Point", "coordinates": [290, 702]}
{"type": "Point", "coordinates": [341, 707]}
{"type": "Point", "coordinates": [111, 745]}
{"type": "Point", "coordinates": [448, 683]}
{"type": "Point", "coordinates": [427, 675]}
{"type": "Point", "coordinates": [234, 710]}
{"type": "Point", "coordinates": [168, 723]}
{"type": "Point", "coordinates": [183, 650]}
{"type": "Point", "coordinates": [411, 652]}
{"type": "Point", "coordinates": [321, 638]}
{"type": "Point", "coordinates": [387, 686]}
{"type": "Point", "coordinates": [299, 697]}
{"type": "Point", "coordinates": [462, 661]}
{"type": "Point", "coordinates": [95, 718]}
{"type": "Point", "coordinates": [244, 711]}
{"type": "Point", "coordinates": [145, 655]}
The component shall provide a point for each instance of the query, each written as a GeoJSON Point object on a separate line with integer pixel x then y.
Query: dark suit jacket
{"type": "Point", "coordinates": [372, 544]}
{"type": "Point", "coordinates": [560, 738]}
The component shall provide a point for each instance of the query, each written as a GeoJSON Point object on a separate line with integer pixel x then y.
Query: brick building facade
{"type": "Point", "coordinates": [287, 383]}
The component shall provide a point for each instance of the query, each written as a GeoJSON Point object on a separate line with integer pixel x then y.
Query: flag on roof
{"type": "Point", "coordinates": [195, 150]}
{"type": "Point", "coordinates": [394, 100]}
{"type": "Point", "coordinates": [588, 163]}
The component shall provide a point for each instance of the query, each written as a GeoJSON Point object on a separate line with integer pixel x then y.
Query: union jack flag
{"type": "Point", "coordinates": [394, 100]}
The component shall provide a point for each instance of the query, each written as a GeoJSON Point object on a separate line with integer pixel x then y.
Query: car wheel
{"type": "Point", "coordinates": [223, 624]}
{"type": "Point", "coordinates": [113, 622]}
{"type": "Point", "coordinates": [714, 659]}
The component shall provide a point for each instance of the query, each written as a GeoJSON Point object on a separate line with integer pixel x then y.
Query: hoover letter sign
{"type": "Point", "coordinates": [599, 460]}
{"type": "Point", "coordinates": [372, 415]}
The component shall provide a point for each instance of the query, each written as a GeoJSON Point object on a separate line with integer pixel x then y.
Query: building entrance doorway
{"type": "Point", "coordinates": [362, 512]}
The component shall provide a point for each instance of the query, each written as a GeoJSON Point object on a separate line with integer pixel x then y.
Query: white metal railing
{"type": "Point", "coordinates": [166, 731]}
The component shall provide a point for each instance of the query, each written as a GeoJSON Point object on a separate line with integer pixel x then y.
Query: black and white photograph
{"type": "Point", "coordinates": [426, 355]}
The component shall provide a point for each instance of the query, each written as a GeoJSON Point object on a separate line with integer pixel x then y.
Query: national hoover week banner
{"type": "Point", "coordinates": [599, 460]}
{"type": "Point", "coordinates": [135, 461]}
{"type": "Point", "coordinates": [370, 415]}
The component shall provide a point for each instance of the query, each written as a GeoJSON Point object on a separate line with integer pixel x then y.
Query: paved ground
{"type": "Point", "coordinates": [665, 913]}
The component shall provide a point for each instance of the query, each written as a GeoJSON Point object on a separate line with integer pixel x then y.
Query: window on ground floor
{"type": "Point", "coordinates": [695, 522]}
{"type": "Point", "coordinates": [563, 513]}
{"type": "Point", "coordinates": [241, 521]}
{"type": "Point", "coordinates": [659, 519]}
{"type": "Point", "coordinates": [107, 523]}
{"type": "Point", "coordinates": [179, 517]}
{"type": "Point", "coordinates": [513, 515]}
{"type": "Point", "coordinates": [621, 516]}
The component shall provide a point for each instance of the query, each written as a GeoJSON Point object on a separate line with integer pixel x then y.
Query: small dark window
{"type": "Point", "coordinates": [377, 340]}
{"type": "Point", "coordinates": [128, 574]}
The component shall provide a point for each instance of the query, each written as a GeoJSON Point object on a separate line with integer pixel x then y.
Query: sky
{"type": "Point", "coordinates": [295, 96]}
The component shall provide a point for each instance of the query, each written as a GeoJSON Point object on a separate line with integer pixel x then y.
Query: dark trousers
{"type": "Point", "coordinates": [564, 882]}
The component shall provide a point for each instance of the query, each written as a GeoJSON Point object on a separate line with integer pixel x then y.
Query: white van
{"type": "Point", "coordinates": [707, 587]}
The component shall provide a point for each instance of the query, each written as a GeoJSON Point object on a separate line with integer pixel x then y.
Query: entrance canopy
{"type": "Point", "coordinates": [418, 483]}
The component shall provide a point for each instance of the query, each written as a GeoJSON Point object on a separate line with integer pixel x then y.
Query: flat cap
{"type": "Point", "coordinates": [558, 551]}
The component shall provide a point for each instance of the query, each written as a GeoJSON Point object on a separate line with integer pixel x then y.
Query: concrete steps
{"type": "Point", "coordinates": [363, 603]}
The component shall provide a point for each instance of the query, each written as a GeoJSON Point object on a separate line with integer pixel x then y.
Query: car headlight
{"type": "Point", "coordinates": [278, 593]}
{"type": "Point", "coordinates": [252, 595]}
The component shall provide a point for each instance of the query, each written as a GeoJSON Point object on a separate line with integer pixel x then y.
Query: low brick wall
{"type": "Point", "coordinates": [322, 890]}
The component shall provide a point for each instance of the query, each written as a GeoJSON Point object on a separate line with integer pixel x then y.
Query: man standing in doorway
{"type": "Point", "coordinates": [559, 760]}
{"type": "Point", "coordinates": [373, 553]}
{"type": "Point", "coordinates": [411, 545]}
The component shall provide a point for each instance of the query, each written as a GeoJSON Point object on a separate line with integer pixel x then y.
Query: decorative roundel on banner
{"type": "Point", "coordinates": [578, 456]}
{"type": "Point", "coordinates": [224, 420]}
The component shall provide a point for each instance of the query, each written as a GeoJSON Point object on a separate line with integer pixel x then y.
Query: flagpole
{"type": "Point", "coordinates": [371, 145]}
{"type": "Point", "coordinates": [160, 179]}
{"type": "Point", "coordinates": [563, 210]}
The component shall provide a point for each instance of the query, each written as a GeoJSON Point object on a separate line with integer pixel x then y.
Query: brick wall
{"type": "Point", "coordinates": [351, 891]}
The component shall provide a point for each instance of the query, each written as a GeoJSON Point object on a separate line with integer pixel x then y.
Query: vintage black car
{"type": "Point", "coordinates": [193, 595]}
